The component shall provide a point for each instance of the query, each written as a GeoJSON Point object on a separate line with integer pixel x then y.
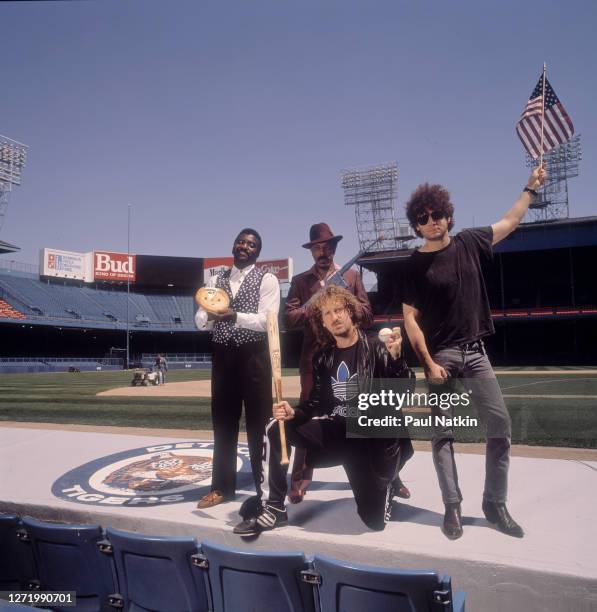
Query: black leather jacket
{"type": "Point", "coordinates": [373, 362]}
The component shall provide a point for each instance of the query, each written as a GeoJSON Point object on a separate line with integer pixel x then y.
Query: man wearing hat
{"type": "Point", "coordinates": [322, 244]}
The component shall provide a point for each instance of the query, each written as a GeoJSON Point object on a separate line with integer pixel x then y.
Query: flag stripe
{"type": "Point", "coordinates": [533, 147]}
{"type": "Point", "coordinates": [548, 132]}
{"type": "Point", "coordinates": [558, 118]}
{"type": "Point", "coordinates": [535, 128]}
{"type": "Point", "coordinates": [526, 143]}
{"type": "Point", "coordinates": [562, 111]}
{"type": "Point", "coordinates": [554, 126]}
{"type": "Point", "coordinates": [562, 116]}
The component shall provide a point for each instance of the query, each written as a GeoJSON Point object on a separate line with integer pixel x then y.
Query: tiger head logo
{"type": "Point", "coordinates": [161, 472]}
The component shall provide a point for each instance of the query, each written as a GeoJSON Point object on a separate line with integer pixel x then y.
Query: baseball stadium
{"type": "Point", "coordinates": [80, 337]}
{"type": "Point", "coordinates": [390, 409]}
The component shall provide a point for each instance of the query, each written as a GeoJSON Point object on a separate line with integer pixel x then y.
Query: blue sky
{"type": "Point", "coordinates": [209, 116]}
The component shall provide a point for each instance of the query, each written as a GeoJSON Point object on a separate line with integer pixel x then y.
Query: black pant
{"type": "Point", "coordinates": [239, 374]}
{"type": "Point", "coordinates": [371, 464]}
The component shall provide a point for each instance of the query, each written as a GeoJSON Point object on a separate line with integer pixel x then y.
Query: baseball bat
{"type": "Point", "coordinates": [273, 338]}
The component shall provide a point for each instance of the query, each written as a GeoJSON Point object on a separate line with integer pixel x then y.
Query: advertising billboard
{"type": "Point", "coordinates": [280, 268]}
{"type": "Point", "coordinates": [109, 266]}
{"type": "Point", "coordinates": [64, 264]}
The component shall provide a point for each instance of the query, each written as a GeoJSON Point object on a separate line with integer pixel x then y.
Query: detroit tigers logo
{"type": "Point", "coordinates": [161, 474]}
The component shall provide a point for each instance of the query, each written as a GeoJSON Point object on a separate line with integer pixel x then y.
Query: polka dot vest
{"type": "Point", "coordinates": [246, 300]}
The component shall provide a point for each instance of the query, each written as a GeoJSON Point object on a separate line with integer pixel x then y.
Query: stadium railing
{"type": "Point", "coordinates": [113, 569]}
{"type": "Point", "coordinates": [18, 266]}
{"type": "Point", "coordinates": [17, 365]}
{"type": "Point", "coordinates": [179, 361]}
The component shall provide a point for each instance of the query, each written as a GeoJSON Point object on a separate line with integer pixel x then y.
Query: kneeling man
{"type": "Point", "coordinates": [348, 362]}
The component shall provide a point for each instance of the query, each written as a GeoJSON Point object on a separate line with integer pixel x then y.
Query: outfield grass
{"type": "Point", "coordinates": [565, 414]}
{"type": "Point", "coordinates": [72, 398]}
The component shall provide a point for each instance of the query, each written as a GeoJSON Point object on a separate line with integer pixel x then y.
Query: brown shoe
{"type": "Point", "coordinates": [403, 492]}
{"type": "Point", "coordinates": [213, 498]}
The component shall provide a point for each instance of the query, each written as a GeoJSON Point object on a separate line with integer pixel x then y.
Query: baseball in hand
{"type": "Point", "coordinates": [385, 334]}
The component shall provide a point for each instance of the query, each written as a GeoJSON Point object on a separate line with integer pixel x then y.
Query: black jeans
{"type": "Point", "coordinates": [240, 374]}
{"type": "Point", "coordinates": [371, 464]}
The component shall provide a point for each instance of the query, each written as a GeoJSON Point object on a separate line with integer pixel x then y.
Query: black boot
{"type": "Point", "coordinates": [452, 527]}
{"type": "Point", "coordinates": [497, 514]}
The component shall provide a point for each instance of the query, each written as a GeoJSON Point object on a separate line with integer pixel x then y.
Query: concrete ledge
{"type": "Point", "coordinates": [551, 569]}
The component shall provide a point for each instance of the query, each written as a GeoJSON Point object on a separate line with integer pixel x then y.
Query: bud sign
{"type": "Point", "coordinates": [113, 266]}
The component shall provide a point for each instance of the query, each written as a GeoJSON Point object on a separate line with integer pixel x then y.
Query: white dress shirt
{"type": "Point", "coordinates": [269, 301]}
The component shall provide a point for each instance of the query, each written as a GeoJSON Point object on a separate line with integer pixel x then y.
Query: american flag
{"type": "Point", "coordinates": [557, 127]}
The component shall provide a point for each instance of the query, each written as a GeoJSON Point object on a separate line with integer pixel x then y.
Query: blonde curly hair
{"type": "Point", "coordinates": [338, 294]}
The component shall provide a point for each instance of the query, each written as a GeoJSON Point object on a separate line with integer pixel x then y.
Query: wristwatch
{"type": "Point", "coordinates": [531, 191]}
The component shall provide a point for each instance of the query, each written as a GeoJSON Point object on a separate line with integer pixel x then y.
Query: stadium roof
{"type": "Point", "coordinates": [544, 235]}
{"type": "Point", "coordinates": [6, 247]}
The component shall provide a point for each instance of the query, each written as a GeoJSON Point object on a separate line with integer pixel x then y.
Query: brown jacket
{"type": "Point", "coordinates": [302, 288]}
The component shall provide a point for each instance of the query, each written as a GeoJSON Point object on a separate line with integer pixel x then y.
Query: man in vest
{"type": "Point", "coordinates": [241, 371]}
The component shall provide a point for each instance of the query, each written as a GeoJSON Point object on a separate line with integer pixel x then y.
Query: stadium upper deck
{"type": "Point", "coordinates": [25, 297]}
{"type": "Point", "coordinates": [542, 269]}
{"type": "Point", "coordinates": [542, 290]}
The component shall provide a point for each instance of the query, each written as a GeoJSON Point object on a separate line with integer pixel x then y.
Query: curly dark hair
{"type": "Point", "coordinates": [427, 196]}
{"type": "Point", "coordinates": [333, 292]}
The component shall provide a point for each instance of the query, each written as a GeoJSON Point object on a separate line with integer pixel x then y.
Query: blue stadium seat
{"type": "Point", "coordinates": [68, 559]}
{"type": "Point", "coordinates": [155, 573]}
{"type": "Point", "coordinates": [17, 568]}
{"type": "Point", "coordinates": [350, 587]}
{"type": "Point", "coordinates": [243, 581]}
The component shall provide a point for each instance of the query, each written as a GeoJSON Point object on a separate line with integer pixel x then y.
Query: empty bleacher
{"type": "Point", "coordinates": [112, 569]}
{"type": "Point", "coordinates": [25, 297]}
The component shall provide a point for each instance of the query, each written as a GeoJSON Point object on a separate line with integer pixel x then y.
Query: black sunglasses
{"type": "Point", "coordinates": [436, 215]}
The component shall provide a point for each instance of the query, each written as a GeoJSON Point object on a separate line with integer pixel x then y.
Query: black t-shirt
{"type": "Point", "coordinates": [448, 290]}
{"type": "Point", "coordinates": [343, 374]}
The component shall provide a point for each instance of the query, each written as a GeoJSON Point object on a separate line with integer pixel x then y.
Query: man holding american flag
{"type": "Point", "coordinates": [446, 316]}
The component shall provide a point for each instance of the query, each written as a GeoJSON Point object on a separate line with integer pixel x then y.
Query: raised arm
{"type": "Point", "coordinates": [509, 222]}
{"type": "Point", "coordinates": [433, 371]}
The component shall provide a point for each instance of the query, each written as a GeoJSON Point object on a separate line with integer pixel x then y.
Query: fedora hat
{"type": "Point", "coordinates": [320, 232]}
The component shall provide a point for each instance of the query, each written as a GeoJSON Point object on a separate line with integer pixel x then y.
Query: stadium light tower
{"type": "Point", "coordinates": [13, 156]}
{"type": "Point", "coordinates": [562, 163]}
{"type": "Point", "coordinates": [373, 191]}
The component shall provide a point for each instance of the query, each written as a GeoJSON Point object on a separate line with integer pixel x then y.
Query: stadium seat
{"type": "Point", "coordinates": [155, 573]}
{"type": "Point", "coordinates": [17, 568]}
{"type": "Point", "coordinates": [243, 581]}
{"type": "Point", "coordinates": [350, 587]}
{"type": "Point", "coordinates": [68, 559]}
